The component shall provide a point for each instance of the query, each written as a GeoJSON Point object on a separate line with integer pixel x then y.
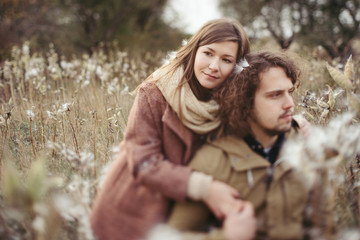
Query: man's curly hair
{"type": "Point", "coordinates": [236, 95]}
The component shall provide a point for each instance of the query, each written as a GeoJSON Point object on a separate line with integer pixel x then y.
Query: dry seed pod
{"type": "Point", "coordinates": [324, 115]}
{"type": "Point", "coordinates": [348, 68]}
{"type": "Point", "coordinates": [322, 104]}
{"type": "Point", "coordinates": [331, 100]}
{"type": "Point", "coordinates": [354, 102]}
{"type": "Point", "coordinates": [339, 77]}
{"type": "Point", "coordinates": [312, 118]}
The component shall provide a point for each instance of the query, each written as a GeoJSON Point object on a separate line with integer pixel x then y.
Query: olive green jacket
{"type": "Point", "coordinates": [278, 192]}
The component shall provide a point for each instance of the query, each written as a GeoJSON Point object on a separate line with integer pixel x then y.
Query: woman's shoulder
{"type": "Point", "coordinates": [148, 93]}
{"type": "Point", "coordinates": [150, 89]}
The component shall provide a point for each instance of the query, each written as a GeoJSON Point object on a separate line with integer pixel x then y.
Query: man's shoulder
{"type": "Point", "coordinates": [222, 147]}
{"type": "Point", "coordinates": [228, 143]}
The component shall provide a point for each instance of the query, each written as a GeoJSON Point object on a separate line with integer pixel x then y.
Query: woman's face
{"type": "Point", "coordinates": [214, 63]}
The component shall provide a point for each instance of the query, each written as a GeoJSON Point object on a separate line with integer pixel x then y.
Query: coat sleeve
{"type": "Point", "coordinates": [144, 147]}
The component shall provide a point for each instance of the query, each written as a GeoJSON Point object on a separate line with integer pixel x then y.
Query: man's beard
{"type": "Point", "coordinates": [276, 131]}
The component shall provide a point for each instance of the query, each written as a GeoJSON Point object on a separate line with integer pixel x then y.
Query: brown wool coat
{"type": "Point", "coordinates": [280, 207]}
{"type": "Point", "coordinates": [148, 172]}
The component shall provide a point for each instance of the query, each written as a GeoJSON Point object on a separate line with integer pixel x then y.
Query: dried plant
{"type": "Point", "coordinates": [62, 119]}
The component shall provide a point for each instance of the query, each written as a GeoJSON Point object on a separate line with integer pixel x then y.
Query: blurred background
{"type": "Point", "coordinates": [77, 26]}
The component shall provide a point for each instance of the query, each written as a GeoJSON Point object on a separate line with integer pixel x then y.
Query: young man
{"type": "Point", "coordinates": [256, 106]}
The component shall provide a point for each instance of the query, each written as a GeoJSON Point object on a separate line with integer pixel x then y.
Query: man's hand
{"type": "Point", "coordinates": [223, 199]}
{"type": "Point", "coordinates": [241, 225]}
{"type": "Point", "coordinates": [303, 124]}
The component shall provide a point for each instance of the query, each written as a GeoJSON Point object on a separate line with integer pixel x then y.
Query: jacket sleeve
{"type": "Point", "coordinates": [189, 216]}
{"type": "Point", "coordinates": [144, 147]}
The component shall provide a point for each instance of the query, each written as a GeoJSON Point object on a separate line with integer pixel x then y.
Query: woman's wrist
{"type": "Point", "coordinates": [198, 186]}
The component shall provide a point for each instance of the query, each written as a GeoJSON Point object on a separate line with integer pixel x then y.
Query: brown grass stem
{"type": "Point", "coordinates": [95, 126]}
{"type": "Point", "coordinates": [74, 138]}
{"type": "Point", "coordinates": [54, 141]}
{"type": "Point", "coordinates": [63, 129]}
{"type": "Point", "coordinates": [32, 138]}
{"type": "Point", "coordinates": [3, 140]}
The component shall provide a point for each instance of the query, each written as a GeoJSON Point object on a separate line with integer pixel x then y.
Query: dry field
{"type": "Point", "coordinates": [61, 121]}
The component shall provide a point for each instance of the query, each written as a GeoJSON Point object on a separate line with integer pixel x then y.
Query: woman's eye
{"type": "Point", "coordinates": [227, 60]}
{"type": "Point", "coordinates": [207, 53]}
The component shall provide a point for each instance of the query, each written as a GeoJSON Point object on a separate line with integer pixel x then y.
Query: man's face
{"type": "Point", "coordinates": [273, 104]}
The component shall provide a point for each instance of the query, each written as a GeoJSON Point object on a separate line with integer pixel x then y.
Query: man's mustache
{"type": "Point", "coordinates": [287, 113]}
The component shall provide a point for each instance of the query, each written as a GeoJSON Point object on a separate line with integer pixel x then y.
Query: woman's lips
{"type": "Point", "coordinates": [210, 76]}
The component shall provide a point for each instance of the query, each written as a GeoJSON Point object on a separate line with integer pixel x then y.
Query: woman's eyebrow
{"type": "Point", "coordinates": [209, 48]}
{"type": "Point", "coordinates": [225, 55]}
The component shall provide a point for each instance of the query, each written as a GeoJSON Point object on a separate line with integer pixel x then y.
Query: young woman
{"type": "Point", "coordinates": [171, 116]}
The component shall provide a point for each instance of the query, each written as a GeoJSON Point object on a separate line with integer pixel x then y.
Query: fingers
{"type": "Point", "coordinates": [303, 124]}
{"type": "Point", "coordinates": [236, 206]}
{"type": "Point", "coordinates": [241, 225]}
{"type": "Point", "coordinates": [223, 199]}
{"type": "Point", "coordinates": [248, 209]}
{"type": "Point", "coordinates": [227, 188]}
{"type": "Point", "coordinates": [234, 193]}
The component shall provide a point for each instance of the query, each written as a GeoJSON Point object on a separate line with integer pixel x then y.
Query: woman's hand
{"type": "Point", "coordinates": [241, 225]}
{"type": "Point", "coordinates": [223, 199]}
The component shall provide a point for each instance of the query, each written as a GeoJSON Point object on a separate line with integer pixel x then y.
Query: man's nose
{"type": "Point", "coordinates": [288, 102]}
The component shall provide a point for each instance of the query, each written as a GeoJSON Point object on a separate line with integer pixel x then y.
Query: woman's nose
{"type": "Point", "coordinates": [214, 64]}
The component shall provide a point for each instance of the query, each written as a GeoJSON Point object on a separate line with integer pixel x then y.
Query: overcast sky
{"type": "Point", "coordinates": [191, 14]}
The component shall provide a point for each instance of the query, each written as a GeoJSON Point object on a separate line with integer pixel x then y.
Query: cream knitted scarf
{"type": "Point", "coordinates": [201, 117]}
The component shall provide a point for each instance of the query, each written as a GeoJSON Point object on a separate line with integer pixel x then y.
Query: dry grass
{"type": "Point", "coordinates": [61, 121]}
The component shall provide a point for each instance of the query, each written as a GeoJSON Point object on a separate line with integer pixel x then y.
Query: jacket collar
{"type": "Point", "coordinates": [272, 154]}
{"type": "Point", "coordinates": [242, 157]}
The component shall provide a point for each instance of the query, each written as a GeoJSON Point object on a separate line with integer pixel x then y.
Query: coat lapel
{"type": "Point", "coordinates": [172, 121]}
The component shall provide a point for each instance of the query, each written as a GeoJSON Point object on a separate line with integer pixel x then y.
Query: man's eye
{"type": "Point", "coordinates": [274, 95]}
